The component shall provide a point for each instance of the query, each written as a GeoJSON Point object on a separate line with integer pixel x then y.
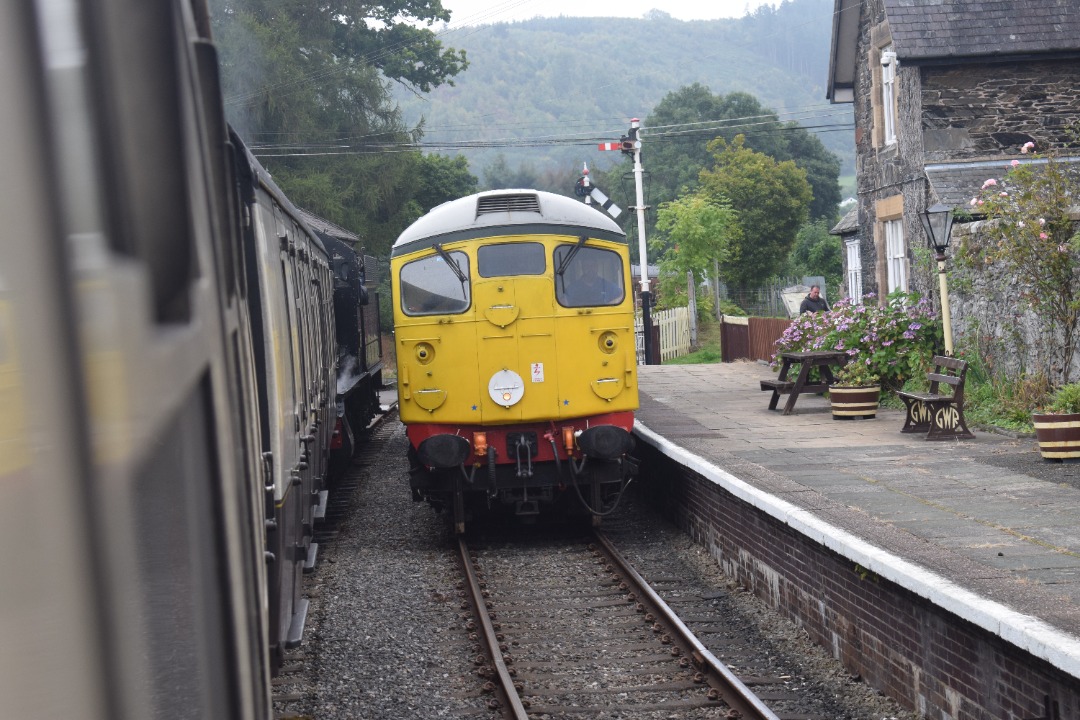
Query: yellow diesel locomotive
{"type": "Point", "coordinates": [517, 369]}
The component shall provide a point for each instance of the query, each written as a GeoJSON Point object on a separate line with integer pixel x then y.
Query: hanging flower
{"type": "Point", "coordinates": [989, 183]}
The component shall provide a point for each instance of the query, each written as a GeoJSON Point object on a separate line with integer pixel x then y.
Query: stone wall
{"type": "Point", "coordinates": [976, 111]}
{"type": "Point", "coordinates": [987, 313]}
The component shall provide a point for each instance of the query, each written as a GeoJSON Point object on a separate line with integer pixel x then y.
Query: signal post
{"type": "Point", "coordinates": [630, 144]}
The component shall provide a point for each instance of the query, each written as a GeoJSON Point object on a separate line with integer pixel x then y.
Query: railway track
{"type": "Point", "coordinates": [589, 638]}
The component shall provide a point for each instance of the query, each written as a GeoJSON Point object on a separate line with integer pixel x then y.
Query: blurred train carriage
{"type": "Point", "coordinates": [517, 375]}
{"type": "Point", "coordinates": [169, 369]}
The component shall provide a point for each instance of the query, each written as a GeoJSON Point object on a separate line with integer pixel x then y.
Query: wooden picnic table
{"type": "Point", "coordinates": [826, 360]}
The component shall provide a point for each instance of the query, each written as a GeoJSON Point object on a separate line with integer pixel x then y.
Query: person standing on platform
{"type": "Point", "coordinates": [813, 302]}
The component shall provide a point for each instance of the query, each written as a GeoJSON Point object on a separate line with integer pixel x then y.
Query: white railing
{"type": "Point", "coordinates": [674, 327]}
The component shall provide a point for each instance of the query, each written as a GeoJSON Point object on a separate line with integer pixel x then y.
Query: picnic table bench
{"type": "Point", "coordinates": [938, 415]}
{"type": "Point", "coordinates": [825, 360]}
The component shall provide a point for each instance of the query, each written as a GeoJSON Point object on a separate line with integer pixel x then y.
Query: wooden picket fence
{"type": "Point", "coordinates": [673, 328]}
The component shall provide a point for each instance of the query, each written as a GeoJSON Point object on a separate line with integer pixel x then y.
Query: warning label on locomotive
{"type": "Point", "coordinates": [537, 372]}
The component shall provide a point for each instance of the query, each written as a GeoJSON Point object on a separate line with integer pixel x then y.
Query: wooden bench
{"type": "Point", "coordinates": [778, 387]}
{"type": "Point", "coordinates": [940, 416]}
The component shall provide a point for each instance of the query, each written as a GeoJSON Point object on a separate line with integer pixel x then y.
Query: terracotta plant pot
{"type": "Point", "coordinates": [1058, 435]}
{"type": "Point", "coordinates": [854, 402]}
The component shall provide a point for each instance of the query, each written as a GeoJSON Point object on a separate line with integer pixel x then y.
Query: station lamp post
{"type": "Point", "coordinates": [937, 222]}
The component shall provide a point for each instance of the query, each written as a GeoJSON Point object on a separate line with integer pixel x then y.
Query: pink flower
{"type": "Point", "coordinates": [974, 201]}
{"type": "Point", "coordinates": [1043, 236]}
{"type": "Point", "coordinates": [1003, 194]}
{"type": "Point", "coordinates": [981, 202]}
{"type": "Point", "coordinates": [1014, 163]}
{"type": "Point", "coordinates": [989, 182]}
{"type": "Point", "coordinates": [1027, 146]}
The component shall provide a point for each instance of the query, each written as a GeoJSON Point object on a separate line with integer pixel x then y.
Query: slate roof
{"type": "Point", "coordinates": [955, 184]}
{"type": "Point", "coordinates": [934, 30]}
{"type": "Point", "coordinates": [848, 224]}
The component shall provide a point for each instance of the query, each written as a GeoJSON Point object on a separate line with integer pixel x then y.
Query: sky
{"type": "Point", "coordinates": [474, 12]}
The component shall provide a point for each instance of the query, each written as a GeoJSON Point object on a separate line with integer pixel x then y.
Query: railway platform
{"type": "Point", "coordinates": [983, 530]}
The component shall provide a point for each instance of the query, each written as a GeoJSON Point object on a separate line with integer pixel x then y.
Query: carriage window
{"type": "Point", "coordinates": [434, 286]}
{"type": "Point", "coordinates": [510, 259]}
{"type": "Point", "coordinates": [591, 277]}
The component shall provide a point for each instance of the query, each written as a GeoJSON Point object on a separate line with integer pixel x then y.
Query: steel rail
{"type": "Point", "coordinates": [732, 690]}
{"type": "Point", "coordinates": [506, 682]}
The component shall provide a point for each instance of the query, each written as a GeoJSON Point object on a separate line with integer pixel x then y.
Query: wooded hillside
{"type": "Point", "coordinates": [543, 92]}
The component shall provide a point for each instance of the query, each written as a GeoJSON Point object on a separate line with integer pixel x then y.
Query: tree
{"type": "Point", "coordinates": [822, 171]}
{"type": "Point", "coordinates": [675, 160]}
{"type": "Point", "coordinates": [499, 176]}
{"type": "Point", "coordinates": [307, 87]}
{"type": "Point", "coordinates": [443, 178]}
{"type": "Point", "coordinates": [771, 199]}
{"type": "Point", "coordinates": [816, 252]}
{"type": "Point", "coordinates": [700, 230]}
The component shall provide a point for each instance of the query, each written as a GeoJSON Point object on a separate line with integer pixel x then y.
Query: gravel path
{"type": "Point", "coordinates": [386, 635]}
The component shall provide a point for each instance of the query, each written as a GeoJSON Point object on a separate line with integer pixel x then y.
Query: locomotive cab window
{"type": "Point", "coordinates": [510, 259]}
{"type": "Point", "coordinates": [436, 284]}
{"type": "Point", "coordinates": [588, 276]}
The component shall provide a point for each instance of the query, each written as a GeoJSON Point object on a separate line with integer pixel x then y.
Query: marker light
{"type": "Point", "coordinates": [568, 439]}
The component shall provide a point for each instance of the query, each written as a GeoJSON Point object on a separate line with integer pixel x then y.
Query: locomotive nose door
{"type": "Point", "coordinates": [515, 335]}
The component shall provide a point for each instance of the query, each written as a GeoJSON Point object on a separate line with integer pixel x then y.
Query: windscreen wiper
{"type": "Point", "coordinates": [569, 257]}
{"type": "Point", "coordinates": [452, 263]}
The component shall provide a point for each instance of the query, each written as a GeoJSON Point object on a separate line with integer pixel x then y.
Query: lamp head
{"type": "Point", "coordinates": [937, 223]}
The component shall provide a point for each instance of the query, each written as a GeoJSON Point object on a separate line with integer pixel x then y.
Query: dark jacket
{"type": "Point", "coordinates": [810, 304]}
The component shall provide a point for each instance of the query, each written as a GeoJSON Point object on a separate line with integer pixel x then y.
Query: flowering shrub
{"type": "Point", "coordinates": [893, 342]}
{"type": "Point", "coordinates": [1033, 242]}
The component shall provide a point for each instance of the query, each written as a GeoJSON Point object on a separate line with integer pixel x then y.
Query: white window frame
{"type": "Point", "coordinates": [888, 94]}
{"type": "Point", "coordinates": [854, 269]}
{"type": "Point", "coordinates": [895, 254]}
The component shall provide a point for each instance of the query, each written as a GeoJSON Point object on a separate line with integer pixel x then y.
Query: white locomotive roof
{"type": "Point", "coordinates": [507, 212]}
